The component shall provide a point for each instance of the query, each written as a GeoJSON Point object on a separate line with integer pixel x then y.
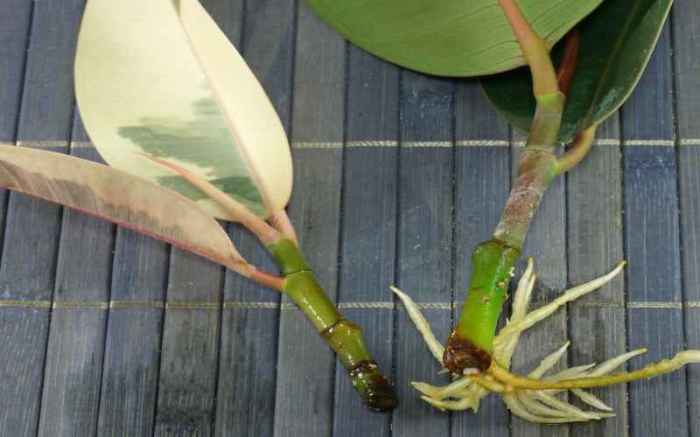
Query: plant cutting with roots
{"type": "Point", "coordinates": [190, 137]}
{"type": "Point", "coordinates": [478, 359]}
{"type": "Point", "coordinates": [533, 397]}
{"type": "Point", "coordinates": [566, 92]}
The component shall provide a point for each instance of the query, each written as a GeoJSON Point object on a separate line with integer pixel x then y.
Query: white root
{"type": "Point", "coordinates": [504, 346]}
{"type": "Point", "coordinates": [566, 408]}
{"type": "Point", "coordinates": [613, 363]}
{"type": "Point", "coordinates": [443, 392]}
{"type": "Point", "coordinates": [529, 401]}
{"type": "Point", "coordinates": [523, 294]}
{"type": "Point", "coordinates": [572, 372]}
{"type": "Point", "coordinates": [686, 357]}
{"type": "Point", "coordinates": [458, 405]}
{"type": "Point", "coordinates": [543, 312]}
{"type": "Point", "coordinates": [540, 406]}
{"type": "Point", "coordinates": [421, 323]}
{"type": "Point", "coordinates": [549, 361]}
{"type": "Point", "coordinates": [521, 410]}
{"type": "Point", "coordinates": [591, 399]}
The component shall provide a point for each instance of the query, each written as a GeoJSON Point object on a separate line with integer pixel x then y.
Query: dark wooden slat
{"type": "Point", "coordinates": [246, 391]}
{"type": "Point", "coordinates": [304, 399]}
{"type": "Point", "coordinates": [246, 382]}
{"type": "Point", "coordinates": [482, 178]}
{"type": "Point", "coordinates": [594, 197]}
{"type": "Point", "coordinates": [15, 16]}
{"type": "Point", "coordinates": [425, 242]}
{"type": "Point", "coordinates": [15, 31]}
{"type": "Point", "coordinates": [48, 88]}
{"type": "Point", "coordinates": [597, 321]}
{"type": "Point", "coordinates": [659, 403]}
{"type": "Point", "coordinates": [32, 227]}
{"type": "Point", "coordinates": [369, 227]}
{"type": "Point", "coordinates": [132, 349]}
{"type": "Point", "coordinates": [686, 31]}
{"type": "Point", "coordinates": [17, 326]}
{"type": "Point", "coordinates": [652, 247]}
{"type": "Point", "coordinates": [692, 327]}
{"type": "Point", "coordinates": [190, 349]}
{"type": "Point", "coordinates": [25, 333]}
{"type": "Point", "coordinates": [76, 342]}
{"type": "Point", "coordinates": [305, 386]}
{"type": "Point", "coordinates": [319, 81]}
{"type": "Point", "coordinates": [268, 47]}
{"type": "Point", "coordinates": [187, 384]}
{"type": "Point", "coordinates": [648, 114]}
{"type": "Point", "coordinates": [546, 244]}
{"type": "Point", "coordinates": [47, 108]}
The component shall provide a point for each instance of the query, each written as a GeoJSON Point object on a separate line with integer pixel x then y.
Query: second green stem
{"type": "Point", "coordinates": [342, 335]}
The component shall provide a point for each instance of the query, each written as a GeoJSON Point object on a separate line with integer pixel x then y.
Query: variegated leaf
{"type": "Point", "coordinates": [119, 197]}
{"type": "Point", "coordinates": [158, 77]}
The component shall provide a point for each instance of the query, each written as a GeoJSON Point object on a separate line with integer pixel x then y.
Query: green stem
{"type": "Point", "coordinates": [471, 343]}
{"type": "Point", "coordinates": [300, 284]}
{"type": "Point", "coordinates": [578, 150]}
{"type": "Point", "coordinates": [536, 170]}
{"type": "Point", "coordinates": [342, 335]}
{"type": "Point", "coordinates": [534, 49]}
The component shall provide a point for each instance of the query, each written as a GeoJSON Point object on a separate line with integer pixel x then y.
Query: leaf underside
{"type": "Point", "coordinates": [160, 78]}
{"type": "Point", "coordinates": [617, 41]}
{"type": "Point", "coordinates": [448, 37]}
{"type": "Point", "coordinates": [118, 197]}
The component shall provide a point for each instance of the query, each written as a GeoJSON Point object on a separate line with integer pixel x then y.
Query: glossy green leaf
{"type": "Point", "coordinates": [448, 37]}
{"type": "Point", "coordinates": [617, 41]}
{"type": "Point", "coordinates": [119, 197]}
{"type": "Point", "coordinates": [158, 77]}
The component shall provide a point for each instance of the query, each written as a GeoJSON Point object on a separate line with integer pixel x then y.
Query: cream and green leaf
{"type": "Point", "coordinates": [167, 138]}
{"type": "Point", "coordinates": [165, 82]}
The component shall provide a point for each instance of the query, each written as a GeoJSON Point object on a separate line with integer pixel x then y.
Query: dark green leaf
{"type": "Point", "coordinates": [617, 41]}
{"type": "Point", "coordinates": [448, 37]}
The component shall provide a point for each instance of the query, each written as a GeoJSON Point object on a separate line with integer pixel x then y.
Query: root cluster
{"type": "Point", "coordinates": [535, 397]}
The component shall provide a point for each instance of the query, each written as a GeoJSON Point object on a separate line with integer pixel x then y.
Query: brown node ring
{"type": "Point", "coordinates": [462, 354]}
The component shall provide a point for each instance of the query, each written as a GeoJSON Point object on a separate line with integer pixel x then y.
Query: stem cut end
{"type": "Point", "coordinates": [461, 354]}
{"type": "Point", "coordinates": [375, 390]}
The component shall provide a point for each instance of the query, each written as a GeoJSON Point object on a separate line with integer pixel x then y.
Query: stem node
{"type": "Point", "coordinates": [342, 335]}
{"type": "Point", "coordinates": [471, 344]}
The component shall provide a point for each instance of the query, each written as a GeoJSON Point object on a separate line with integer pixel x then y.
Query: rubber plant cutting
{"type": "Point", "coordinates": [563, 94]}
{"type": "Point", "coordinates": [190, 136]}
